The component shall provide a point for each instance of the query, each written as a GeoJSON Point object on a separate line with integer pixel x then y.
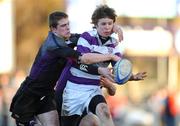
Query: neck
{"type": "Point", "coordinates": [103, 39]}
{"type": "Point", "coordinates": [59, 36]}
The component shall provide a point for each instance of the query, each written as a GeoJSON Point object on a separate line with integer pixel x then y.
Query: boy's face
{"type": "Point", "coordinates": [105, 26]}
{"type": "Point", "coordinates": [62, 29]}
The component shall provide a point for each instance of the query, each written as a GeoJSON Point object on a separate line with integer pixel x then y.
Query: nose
{"type": "Point", "coordinates": [107, 26]}
{"type": "Point", "coordinates": [67, 26]}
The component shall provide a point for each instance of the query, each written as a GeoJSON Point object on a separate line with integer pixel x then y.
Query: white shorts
{"type": "Point", "coordinates": [76, 98]}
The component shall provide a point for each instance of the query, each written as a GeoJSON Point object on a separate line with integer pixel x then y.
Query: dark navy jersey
{"type": "Point", "coordinates": [48, 64]}
{"type": "Point", "coordinates": [72, 42]}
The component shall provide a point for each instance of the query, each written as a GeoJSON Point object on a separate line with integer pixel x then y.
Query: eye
{"type": "Point", "coordinates": [64, 25]}
{"type": "Point", "coordinates": [103, 23]}
{"type": "Point", "coordinates": [110, 23]}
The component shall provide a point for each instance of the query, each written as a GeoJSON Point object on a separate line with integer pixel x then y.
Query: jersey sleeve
{"type": "Point", "coordinates": [65, 52]}
{"type": "Point", "coordinates": [87, 68]}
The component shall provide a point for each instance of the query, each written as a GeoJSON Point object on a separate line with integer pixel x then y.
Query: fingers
{"type": "Point", "coordinates": [117, 29]}
{"type": "Point", "coordinates": [120, 36]}
{"type": "Point", "coordinates": [105, 82]}
{"type": "Point", "coordinates": [107, 72]}
{"type": "Point", "coordinates": [108, 85]}
{"type": "Point", "coordinates": [115, 58]}
{"type": "Point", "coordinates": [104, 79]}
{"type": "Point", "coordinates": [101, 79]}
{"type": "Point", "coordinates": [111, 70]}
{"type": "Point", "coordinates": [144, 74]}
{"type": "Point", "coordinates": [109, 76]}
{"type": "Point", "coordinates": [139, 76]}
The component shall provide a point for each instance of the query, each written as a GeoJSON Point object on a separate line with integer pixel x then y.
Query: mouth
{"type": "Point", "coordinates": [107, 33]}
{"type": "Point", "coordinates": [68, 33]}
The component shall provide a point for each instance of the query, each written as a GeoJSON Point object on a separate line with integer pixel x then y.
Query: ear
{"type": "Point", "coordinates": [95, 26]}
{"type": "Point", "coordinates": [53, 29]}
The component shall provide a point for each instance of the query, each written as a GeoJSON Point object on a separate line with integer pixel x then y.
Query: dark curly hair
{"type": "Point", "coordinates": [103, 11]}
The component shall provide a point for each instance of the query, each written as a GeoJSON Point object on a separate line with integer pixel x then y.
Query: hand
{"type": "Point", "coordinates": [106, 72]}
{"type": "Point", "coordinates": [138, 76]}
{"type": "Point", "coordinates": [109, 85]}
{"type": "Point", "coordinates": [118, 31]}
{"type": "Point", "coordinates": [115, 57]}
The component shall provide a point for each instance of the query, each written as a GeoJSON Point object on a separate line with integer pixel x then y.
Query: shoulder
{"type": "Point", "coordinates": [74, 38]}
{"type": "Point", "coordinates": [89, 35]}
{"type": "Point", "coordinates": [51, 44]}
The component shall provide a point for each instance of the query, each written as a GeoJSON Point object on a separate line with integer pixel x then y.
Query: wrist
{"type": "Point", "coordinates": [131, 78]}
{"type": "Point", "coordinates": [111, 90]}
{"type": "Point", "coordinates": [111, 57]}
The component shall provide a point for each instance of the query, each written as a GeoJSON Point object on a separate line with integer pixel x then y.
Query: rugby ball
{"type": "Point", "coordinates": [122, 71]}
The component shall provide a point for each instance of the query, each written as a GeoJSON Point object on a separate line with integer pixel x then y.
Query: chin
{"type": "Point", "coordinates": [67, 36]}
{"type": "Point", "coordinates": [105, 36]}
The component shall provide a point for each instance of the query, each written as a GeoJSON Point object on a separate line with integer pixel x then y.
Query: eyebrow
{"type": "Point", "coordinates": [63, 25]}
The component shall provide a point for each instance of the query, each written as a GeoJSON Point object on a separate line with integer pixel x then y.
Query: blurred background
{"type": "Point", "coordinates": [151, 31]}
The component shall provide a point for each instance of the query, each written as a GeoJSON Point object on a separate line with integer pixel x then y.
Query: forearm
{"type": "Point", "coordinates": [90, 58]}
{"type": "Point", "coordinates": [88, 68]}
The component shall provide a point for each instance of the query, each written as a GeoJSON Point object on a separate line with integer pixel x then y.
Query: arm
{"type": "Point", "coordinates": [91, 68]}
{"type": "Point", "coordinates": [106, 72]}
{"type": "Point", "coordinates": [87, 44]}
{"type": "Point", "coordinates": [88, 58]}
